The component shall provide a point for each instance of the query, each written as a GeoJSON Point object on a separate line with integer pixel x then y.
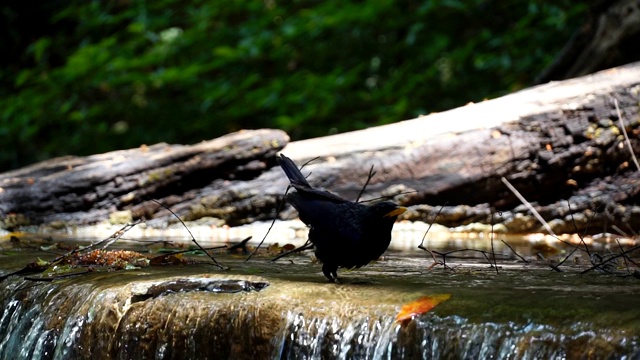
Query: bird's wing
{"type": "Point", "coordinates": [316, 194]}
{"type": "Point", "coordinates": [336, 218]}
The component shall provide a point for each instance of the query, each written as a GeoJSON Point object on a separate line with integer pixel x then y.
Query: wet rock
{"type": "Point", "coordinates": [196, 284]}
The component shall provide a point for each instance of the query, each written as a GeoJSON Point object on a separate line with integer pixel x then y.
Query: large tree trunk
{"type": "Point", "coordinates": [559, 144]}
{"type": "Point", "coordinates": [609, 37]}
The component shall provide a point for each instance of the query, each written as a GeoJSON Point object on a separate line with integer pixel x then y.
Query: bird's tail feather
{"type": "Point", "coordinates": [291, 170]}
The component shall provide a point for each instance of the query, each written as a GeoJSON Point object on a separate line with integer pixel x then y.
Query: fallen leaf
{"type": "Point", "coordinates": [419, 307]}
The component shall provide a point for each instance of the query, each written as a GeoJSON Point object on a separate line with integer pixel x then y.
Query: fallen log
{"type": "Point", "coordinates": [560, 144]}
{"type": "Point", "coordinates": [83, 190]}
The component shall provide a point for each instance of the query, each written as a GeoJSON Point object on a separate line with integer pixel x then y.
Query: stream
{"type": "Point", "coordinates": [260, 309]}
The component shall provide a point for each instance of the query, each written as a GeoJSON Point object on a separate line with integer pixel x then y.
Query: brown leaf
{"type": "Point", "coordinates": [419, 307]}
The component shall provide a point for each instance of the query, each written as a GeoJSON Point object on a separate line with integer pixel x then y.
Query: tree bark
{"type": "Point", "coordinates": [608, 38]}
{"type": "Point", "coordinates": [81, 190]}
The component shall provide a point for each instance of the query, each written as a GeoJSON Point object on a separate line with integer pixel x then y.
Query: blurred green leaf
{"type": "Point", "coordinates": [85, 69]}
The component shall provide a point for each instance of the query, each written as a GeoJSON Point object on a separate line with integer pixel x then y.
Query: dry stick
{"type": "Point", "coordinates": [57, 277]}
{"type": "Point", "coordinates": [105, 242]}
{"type": "Point", "coordinates": [626, 258]}
{"type": "Point", "coordinates": [306, 246]}
{"type": "Point", "coordinates": [435, 261]}
{"type": "Point", "coordinates": [429, 228]}
{"type": "Point", "coordinates": [586, 248]}
{"type": "Point", "coordinates": [493, 252]}
{"type": "Point", "coordinates": [389, 196]}
{"type": "Point", "coordinates": [620, 231]}
{"type": "Point", "coordinates": [626, 137]}
{"type": "Point", "coordinates": [189, 250]}
{"type": "Point", "coordinates": [444, 255]}
{"type": "Point", "coordinates": [518, 255]}
{"type": "Point", "coordinates": [535, 213]}
{"type": "Point", "coordinates": [369, 177]}
{"type": "Point", "coordinates": [611, 259]}
{"type": "Point", "coordinates": [273, 221]}
{"type": "Point", "coordinates": [575, 226]}
{"type": "Point", "coordinates": [528, 206]}
{"type": "Point", "coordinates": [110, 240]}
{"type": "Point", "coordinates": [189, 231]}
{"type": "Point", "coordinates": [280, 206]}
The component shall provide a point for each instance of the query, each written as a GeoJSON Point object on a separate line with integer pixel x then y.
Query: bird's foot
{"type": "Point", "coordinates": [330, 273]}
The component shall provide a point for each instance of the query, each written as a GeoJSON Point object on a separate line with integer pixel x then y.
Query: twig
{"type": "Point", "coordinates": [626, 258]}
{"type": "Point", "coordinates": [188, 250]}
{"type": "Point", "coordinates": [280, 206]}
{"type": "Point", "coordinates": [57, 277]}
{"type": "Point", "coordinates": [273, 221]}
{"type": "Point", "coordinates": [307, 245]}
{"type": "Point", "coordinates": [189, 231]}
{"type": "Point", "coordinates": [528, 206]}
{"type": "Point", "coordinates": [369, 177]}
{"type": "Point", "coordinates": [518, 255]}
{"type": "Point", "coordinates": [386, 197]}
{"type": "Point", "coordinates": [599, 265]}
{"type": "Point", "coordinates": [620, 231]}
{"type": "Point", "coordinates": [429, 228]}
{"type": "Point", "coordinates": [445, 254]}
{"type": "Point", "coordinates": [626, 137]}
{"type": "Point", "coordinates": [575, 226]}
{"type": "Point", "coordinates": [586, 248]}
{"type": "Point", "coordinates": [493, 252]}
{"type": "Point", "coordinates": [104, 242]}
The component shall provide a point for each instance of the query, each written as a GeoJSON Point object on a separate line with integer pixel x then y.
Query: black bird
{"type": "Point", "coordinates": [344, 233]}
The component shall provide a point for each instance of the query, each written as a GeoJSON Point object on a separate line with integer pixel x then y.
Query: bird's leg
{"type": "Point", "coordinates": [330, 272]}
{"type": "Point", "coordinates": [335, 277]}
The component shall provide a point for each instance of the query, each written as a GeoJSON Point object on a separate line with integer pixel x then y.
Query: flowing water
{"type": "Point", "coordinates": [286, 310]}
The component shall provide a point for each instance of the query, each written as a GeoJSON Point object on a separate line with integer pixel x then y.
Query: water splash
{"type": "Point", "coordinates": [433, 337]}
{"type": "Point", "coordinates": [97, 318]}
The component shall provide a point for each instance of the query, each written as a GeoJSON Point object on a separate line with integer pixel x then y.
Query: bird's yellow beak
{"type": "Point", "coordinates": [396, 212]}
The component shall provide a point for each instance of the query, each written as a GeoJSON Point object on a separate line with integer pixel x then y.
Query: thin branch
{"type": "Point", "coordinates": [626, 258]}
{"type": "Point", "coordinates": [518, 255]}
{"type": "Point", "coordinates": [528, 206]}
{"type": "Point", "coordinates": [280, 206]}
{"type": "Point", "coordinates": [586, 248]}
{"type": "Point", "coordinates": [445, 254]}
{"type": "Point", "coordinates": [57, 277]}
{"type": "Point", "coordinates": [386, 197]}
{"type": "Point", "coordinates": [307, 245]}
{"type": "Point", "coordinates": [189, 231]}
{"type": "Point", "coordinates": [626, 137]}
{"type": "Point", "coordinates": [104, 242]}
{"type": "Point", "coordinates": [273, 221]}
{"type": "Point", "coordinates": [493, 252]}
{"type": "Point", "coordinates": [429, 228]}
{"type": "Point", "coordinates": [369, 177]}
{"type": "Point", "coordinates": [620, 231]}
{"type": "Point", "coordinates": [599, 265]}
{"type": "Point", "coordinates": [575, 226]}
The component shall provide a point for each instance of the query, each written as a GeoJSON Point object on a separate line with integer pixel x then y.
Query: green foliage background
{"type": "Point", "coordinates": [83, 77]}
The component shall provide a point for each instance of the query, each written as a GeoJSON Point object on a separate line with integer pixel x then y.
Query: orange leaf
{"type": "Point", "coordinates": [419, 307]}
